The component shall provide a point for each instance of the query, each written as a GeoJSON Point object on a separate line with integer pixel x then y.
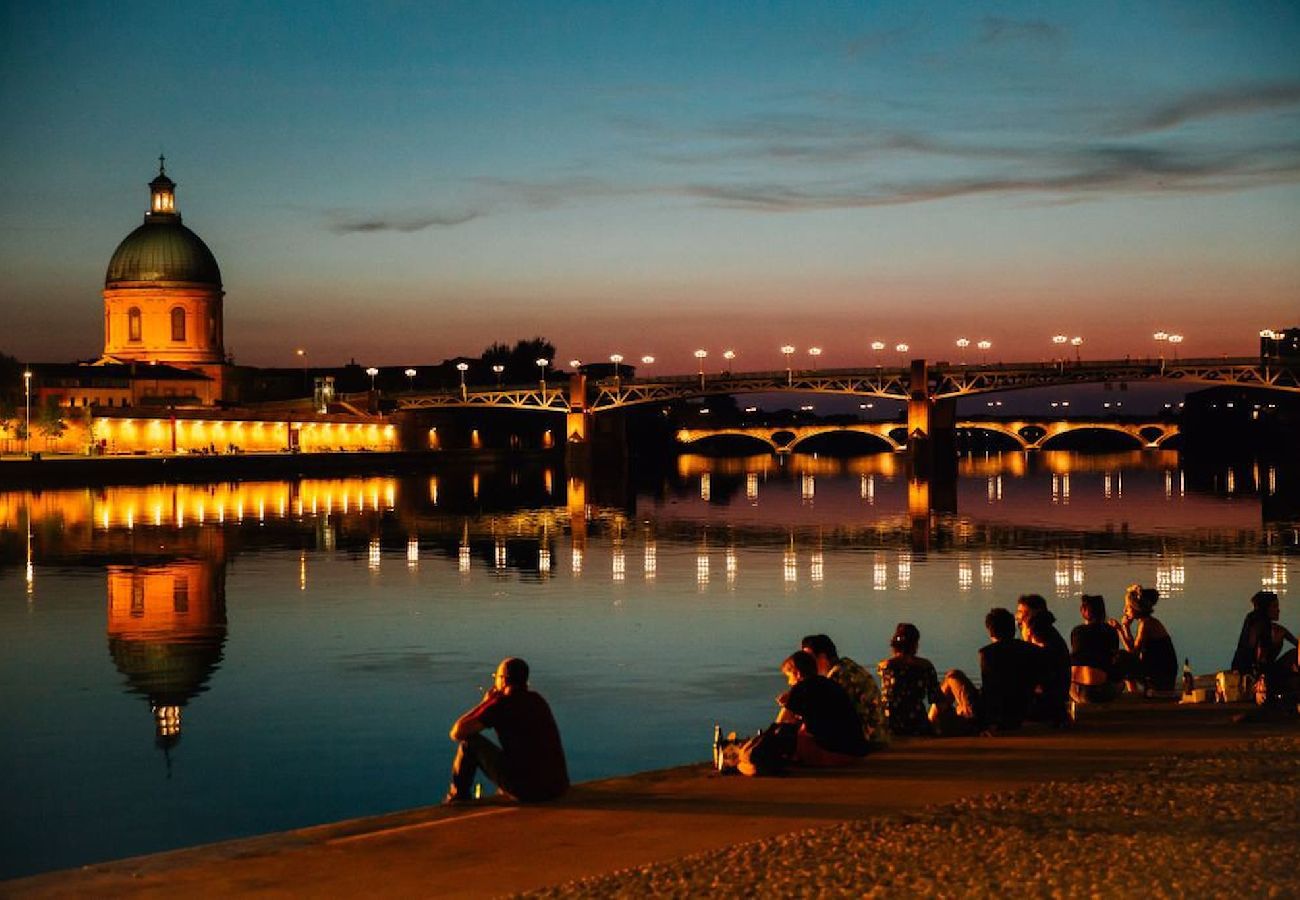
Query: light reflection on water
{"type": "Point", "coordinates": [284, 653]}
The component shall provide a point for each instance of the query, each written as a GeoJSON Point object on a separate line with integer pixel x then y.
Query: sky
{"type": "Point", "coordinates": [399, 183]}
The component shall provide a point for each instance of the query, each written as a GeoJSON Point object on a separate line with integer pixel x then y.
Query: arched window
{"type": "Point", "coordinates": [178, 324]}
{"type": "Point", "coordinates": [133, 325]}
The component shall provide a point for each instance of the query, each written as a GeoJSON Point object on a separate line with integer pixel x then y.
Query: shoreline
{"type": "Point", "coordinates": [654, 818]}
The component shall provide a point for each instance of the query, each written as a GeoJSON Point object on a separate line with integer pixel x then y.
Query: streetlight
{"type": "Point", "coordinates": [788, 350]}
{"type": "Point", "coordinates": [462, 368]}
{"type": "Point", "coordinates": [1076, 343]}
{"type": "Point", "coordinates": [984, 346]}
{"type": "Point", "coordinates": [962, 344]}
{"type": "Point", "coordinates": [410, 379]}
{"type": "Point", "coordinates": [700, 355]}
{"type": "Point", "coordinates": [301, 353]}
{"type": "Point", "coordinates": [902, 348]}
{"type": "Point", "coordinates": [1175, 340]}
{"type": "Point", "coordinates": [27, 399]}
{"type": "Point", "coordinates": [616, 358]}
{"type": "Point", "coordinates": [1160, 337]}
{"type": "Point", "coordinates": [372, 372]}
{"type": "Point", "coordinates": [814, 352]}
{"type": "Point", "coordinates": [647, 360]}
{"type": "Point", "coordinates": [542, 363]}
{"type": "Point", "coordinates": [728, 355]}
{"type": "Point", "coordinates": [1059, 341]}
{"type": "Point", "coordinates": [497, 369]}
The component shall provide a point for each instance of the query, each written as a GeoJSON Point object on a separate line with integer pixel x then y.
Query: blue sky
{"type": "Point", "coordinates": [403, 182]}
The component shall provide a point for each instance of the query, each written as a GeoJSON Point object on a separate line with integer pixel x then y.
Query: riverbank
{"type": "Point", "coordinates": [695, 829]}
{"type": "Point", "coordinates": [52, 471]}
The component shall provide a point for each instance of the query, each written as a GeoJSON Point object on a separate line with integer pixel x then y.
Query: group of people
{"type": "Point", "coordinates": [835, 712]}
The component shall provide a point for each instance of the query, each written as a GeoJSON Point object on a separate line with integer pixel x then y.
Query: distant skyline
{"type": "Point", "coordinates": [404, 182]}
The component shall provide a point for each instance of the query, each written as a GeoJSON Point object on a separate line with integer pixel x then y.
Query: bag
{"type": "Point", "coordinates": [769, 751]}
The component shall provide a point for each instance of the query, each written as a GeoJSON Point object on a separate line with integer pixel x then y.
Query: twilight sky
{"type": "Point", "coordinates": [402, 182]}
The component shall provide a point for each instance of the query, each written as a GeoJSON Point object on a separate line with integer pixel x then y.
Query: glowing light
{"type": "Point", "coordinates": [706, 487]}
{"type": "Point", "coordinates": [751, 485]}
{"type": "Point", "coordinates": [791, 565]}
{"type": "Point", "coordinates": [651, 561]}
{"type": "Point", "coordinates": [817, 568]}
{"type": "Point", "coordinates": [374, 555]}
{"type": "Point", "coordinates": [575, 562]}
{"type": "Point", "coordinates": [807, 487]}
{"type": "Point", "coordinates": [904, 571]}
{"type": "Point", "coordinates": [986, 571]}
{"type": "Point", "coordinates": [412, 552]}
{"type": "Point", "coordinates": [499, 554]}
{"type": "Point", "coordinates": [463, 558]}
{"type": "Point", "coordinates": [544, 559]}
{"type": "Point", "coordinates": [733, 566]}
{"type": "Point", "coordinates": [965, 576]}
{"type": "Point", "coordinates": [880, 574]}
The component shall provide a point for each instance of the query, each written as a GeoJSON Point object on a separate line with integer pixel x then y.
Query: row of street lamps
{"type": "Point", "coordinates": [787, 350]}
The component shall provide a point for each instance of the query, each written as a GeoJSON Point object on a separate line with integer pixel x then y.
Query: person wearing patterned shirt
{"type": "Point", "coordinates": [908, 684]}
{"type": "Point", "coordinates": [857, 682]}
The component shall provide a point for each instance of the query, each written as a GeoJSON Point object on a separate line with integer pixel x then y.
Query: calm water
{"type": "Point", "coordinates": [190, 663]}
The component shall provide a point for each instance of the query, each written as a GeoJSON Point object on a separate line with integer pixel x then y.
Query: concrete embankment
{"type": "Point", "coordinates": [688, 820]}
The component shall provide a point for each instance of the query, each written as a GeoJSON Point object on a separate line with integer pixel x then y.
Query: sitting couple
{"type": "Point", "coordinates": [830, 716]}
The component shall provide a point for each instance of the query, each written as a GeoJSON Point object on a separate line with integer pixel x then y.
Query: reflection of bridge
{"type": "Point", "coordinates": [942, 382]}
{"type": "Point", "coordinates": [1028, 434]}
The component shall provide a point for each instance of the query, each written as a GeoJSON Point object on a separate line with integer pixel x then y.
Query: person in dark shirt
{"type": "Point", "coordinates": [909, 684]}
{"type": "Point", "coordinates": [1260, 648]}
{"type": "Point", "coordinates": [1011, 671]}
{"type": "Point", "coordinates": [830, 732]}
{"type": "Point", "coordinates": [1094, 646]}
{"type": "Point", "coordinates": [1051, 701]}
{"type": "Point", "coordinates": [529, 765]}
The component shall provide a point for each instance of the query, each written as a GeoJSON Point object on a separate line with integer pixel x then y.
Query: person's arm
{"type": "Point", "coordinates": [1280, 634]}
{"type": "Point", "coordinates": [1122, 629]}
{"type": "Point", "coordinates": [471, 723]}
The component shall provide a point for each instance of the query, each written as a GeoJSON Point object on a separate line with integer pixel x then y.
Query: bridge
{"type": "Point", "coordinates": [1029, 434]}
{"type": "Point", "coordinates": [930, 391]}
{"type": "Point", "coordinates": [937, 382]}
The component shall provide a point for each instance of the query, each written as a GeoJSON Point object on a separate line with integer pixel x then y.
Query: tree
{"type": "Point", "coordinates": [50, 422]}
{"type": "Point", "coordinates": [520, 361]}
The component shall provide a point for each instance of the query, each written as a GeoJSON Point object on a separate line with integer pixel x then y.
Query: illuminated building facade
{"type": "Point", "coordinates": [163, 295]}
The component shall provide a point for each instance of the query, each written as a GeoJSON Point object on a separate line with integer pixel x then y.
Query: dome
{"type": "Point", "coordinates": [162, 249]}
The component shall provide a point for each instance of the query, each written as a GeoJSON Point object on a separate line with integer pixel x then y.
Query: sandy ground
{"type": "Point", "coordinates": [1141, 798]}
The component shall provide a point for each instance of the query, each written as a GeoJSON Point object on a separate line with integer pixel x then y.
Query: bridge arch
{"type": "Point", "coordinates": [716, 438]}
{"type": "Point", "coordinates": [1057, 431]}
{"type": "Point", "coordinates": [869, 438]}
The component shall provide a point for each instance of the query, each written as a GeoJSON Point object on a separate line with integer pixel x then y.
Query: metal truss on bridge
{"type": "Point", "coordinates": [945, 381]}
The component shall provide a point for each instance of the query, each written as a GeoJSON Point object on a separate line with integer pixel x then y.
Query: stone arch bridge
{"type": "Point", "coordinates": [1029, 434]}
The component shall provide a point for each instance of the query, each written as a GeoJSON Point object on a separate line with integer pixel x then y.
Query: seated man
{"type": "Point", "coordinates": [529, 765]}
{"type": "Point", "coordinates": [830, 733]}
{"type": "Point", "coordinates": [857, 682]}
{"type": "Point", "coordinates": [1011, 671]}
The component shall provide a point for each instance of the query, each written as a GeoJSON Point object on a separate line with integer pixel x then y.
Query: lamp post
{"type": "Point", "coordinates": [962, 344]}
{"type": "Point", "coordinates": [700, 355]}
{"type": "Point", "coordinates": [647, 360]}
{"type": "Point", "coordinates": [1076, 342]}
{"type": "Point", "coordinates": [462, 368]}
{"type": "Point", "coordinates": [497, 369]}
{"type": "Point", "coordinates": [1058, 341]}
{"type": "Point", "coordinates": [902, 350]}
{"type": "Point", "coordinates": [984, 346]}
{"type": "Point", "coordinates": [410, 379]}
{"type": "Point", "coordinates": [372, 372]}
{"type": "Point", "coordinates": [728, 355]}
{"type": "Point", "coordinates": [788, 351]}
{"type": "Point", "coordinates": [814, 352]}
{"type": "Point", "coordinates": [27, 401]}
{"type": "Point", "coordinates": [616, 358]}
{"type": "Point", "coordinates": [1174, 341]}
{"type": "Point", "coordinates": [1160, 337]}
{"type": "Point", "coordinates": [542, 363]}
{"type": "Point", "coordinates": [876, 348]}
{"type": "Point", "coordinates": [301, 353]}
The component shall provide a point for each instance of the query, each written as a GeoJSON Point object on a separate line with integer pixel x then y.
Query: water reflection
{"type": "Point", "coordinates": [166, 631]}
{"type": "Point", "coordinates": [705, 563]}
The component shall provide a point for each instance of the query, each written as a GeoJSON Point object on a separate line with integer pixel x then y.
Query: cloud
{"type": "Point", "coordinates": [999, 30]}
{"type": "Point", "coordinates": [1092, 171]}
{"type": "Point", "coordinates": [342, 223]}
{"type": "Point", "coordinates": [1238, 100]}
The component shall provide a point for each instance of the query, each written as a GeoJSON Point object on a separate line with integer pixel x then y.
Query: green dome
{"type": "Point", "coordinates": [162, 249]}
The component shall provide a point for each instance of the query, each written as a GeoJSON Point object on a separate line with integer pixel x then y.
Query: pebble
{"type": "Point", "coordinates": [1219, 824]}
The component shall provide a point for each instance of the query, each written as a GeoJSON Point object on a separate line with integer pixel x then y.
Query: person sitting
{"type": "Point", "coordinates": [529, 765]}
{"type": "Point", "coordinates": [1010, 671]}
{"type": "Point", "coordinates": [1093, 648]}
{"type": "Point", "coordinates": [830, 732]}
{"type": "Point", "coordinates": [1051, 700]}
{"type": "Point", "coordinates": [857, 682]}
{"type": "Point", "coordinates": [959, 715]}
{"type": "Point", "coordinates": [1028, 606]}
{"type": "Point", "coordinates": [1260, 646]}
{"type": "Point", "coordinates": [908, 684]}
{"type": "Point", "coordinates": [1148, 661]}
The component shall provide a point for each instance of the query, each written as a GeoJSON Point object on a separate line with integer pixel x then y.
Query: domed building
{"type": "Point", "coordinates": [163, 294]}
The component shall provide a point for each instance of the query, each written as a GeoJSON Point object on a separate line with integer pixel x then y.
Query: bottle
{"type": "Point", "coordinates": [717, 747]}
{"type": "Point", "coordinates": [1189, 680]}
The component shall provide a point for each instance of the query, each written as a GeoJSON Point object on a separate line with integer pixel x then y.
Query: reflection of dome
{"type": "Point", "coordinates": [162, 249]}
{"type": "Point", "coordinates": [168, 672]}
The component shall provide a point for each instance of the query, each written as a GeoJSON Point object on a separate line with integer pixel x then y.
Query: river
{"type": "Point", "coordinates": [189, 663]}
